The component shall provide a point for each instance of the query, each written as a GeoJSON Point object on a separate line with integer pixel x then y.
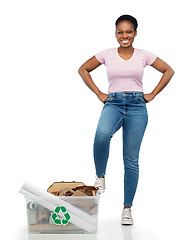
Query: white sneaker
{"type": "Point", "coordinates": [126, 217]}
{"type": "Point", "coordinates": [100, 183]}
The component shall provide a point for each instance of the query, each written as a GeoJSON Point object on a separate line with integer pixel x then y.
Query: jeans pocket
{"type": "Point", "coordinates": [140, 100]}
{"type": "Point", "coordinates": [109, 99]}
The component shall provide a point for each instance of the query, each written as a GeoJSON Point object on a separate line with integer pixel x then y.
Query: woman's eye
{"type": "Point", "coordinates": [129, 32]}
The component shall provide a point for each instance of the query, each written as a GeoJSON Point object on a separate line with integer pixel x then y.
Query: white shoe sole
{"type": "Point", "coordinates": [101, 190]}
{"type": "Point", "coordinates": [127, 222]}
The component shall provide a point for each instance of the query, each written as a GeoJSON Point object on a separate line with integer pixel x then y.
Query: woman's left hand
{"type": "Point", "coordinates": [149, 97]}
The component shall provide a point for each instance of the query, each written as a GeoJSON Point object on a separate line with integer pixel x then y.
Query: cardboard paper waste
{"type": "Point", "coordinates": [66, 207]}
{"type": "Point", "coordinates": [72, 189]}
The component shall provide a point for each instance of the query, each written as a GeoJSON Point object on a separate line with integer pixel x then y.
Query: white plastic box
{"type": "Point", "coordinates": [43, 221]}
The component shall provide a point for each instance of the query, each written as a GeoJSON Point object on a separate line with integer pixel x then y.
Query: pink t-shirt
{"type": "Point", "coordinates": [125, 76]}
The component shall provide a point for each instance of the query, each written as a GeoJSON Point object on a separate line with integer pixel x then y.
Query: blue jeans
{"type": "Point", "coordinates": [126, 110]}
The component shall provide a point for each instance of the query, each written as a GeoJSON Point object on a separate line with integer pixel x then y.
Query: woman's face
{"type": "Point", "coordinates": [125, 34]}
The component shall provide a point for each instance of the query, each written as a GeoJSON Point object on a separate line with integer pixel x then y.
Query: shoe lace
{"type": "Point", "coordinates": [99, 182]}
{"type": "Point", "coordinates": [99, 179]}
{"type": "Point", "coordinates": [126, 213]}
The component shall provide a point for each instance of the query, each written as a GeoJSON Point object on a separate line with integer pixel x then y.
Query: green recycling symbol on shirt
{"type": "Point", "coordinates": [59, 221]}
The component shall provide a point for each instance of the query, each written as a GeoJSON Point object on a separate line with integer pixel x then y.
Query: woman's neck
{"type": "Point", "coordinates": [127, 51]}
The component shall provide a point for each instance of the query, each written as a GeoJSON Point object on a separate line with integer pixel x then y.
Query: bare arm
{"type": "Point", "coordinates": [167, 71]}
{"type": "Point", "coordinates": [84, 72]}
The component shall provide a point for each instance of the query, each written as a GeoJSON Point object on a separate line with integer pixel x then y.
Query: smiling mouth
{"type": "Point", "coordinates": [125, 41]}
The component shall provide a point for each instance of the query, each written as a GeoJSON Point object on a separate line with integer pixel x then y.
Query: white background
{"type": "Point", "coordinates": [48, 116]}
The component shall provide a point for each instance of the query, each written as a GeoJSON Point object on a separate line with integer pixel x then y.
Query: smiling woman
{"type": "Point", "coordinates": [125, 35]}
{"type": "Point", "coordinates": [125, 105]}
{"type": "Point", "coordinates": [126, 31]}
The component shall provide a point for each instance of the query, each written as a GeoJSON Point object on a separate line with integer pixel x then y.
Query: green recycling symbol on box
{"type": "Point", "coordinates": [59, 221]}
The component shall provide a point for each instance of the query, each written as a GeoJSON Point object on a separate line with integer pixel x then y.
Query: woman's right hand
{"type": "Point", "coordinates": [102, 96]}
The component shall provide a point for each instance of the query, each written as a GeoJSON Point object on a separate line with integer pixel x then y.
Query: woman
{"type": "Point", "coordinates": [125, 105]}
